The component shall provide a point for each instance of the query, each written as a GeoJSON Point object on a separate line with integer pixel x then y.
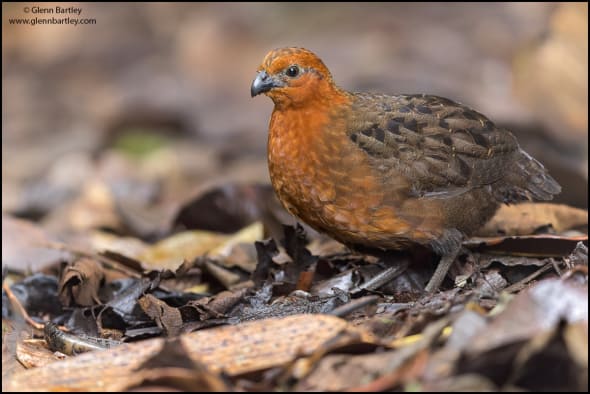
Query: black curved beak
{"type": "Point", "coordinates": [263, 83]}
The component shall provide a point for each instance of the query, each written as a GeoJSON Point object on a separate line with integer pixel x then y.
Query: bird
{"type": "Point", "coordinates": [381, 172]}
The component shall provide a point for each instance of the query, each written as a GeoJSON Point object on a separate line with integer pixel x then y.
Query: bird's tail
{"type": "Point", "coordinates": [528, 180]}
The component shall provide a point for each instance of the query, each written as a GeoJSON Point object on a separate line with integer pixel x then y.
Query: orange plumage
{"type": "Point", "coordinates": [387, 172]}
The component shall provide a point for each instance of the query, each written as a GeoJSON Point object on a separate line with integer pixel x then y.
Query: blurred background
{"type": "Point", "coordinates": [151, 104]}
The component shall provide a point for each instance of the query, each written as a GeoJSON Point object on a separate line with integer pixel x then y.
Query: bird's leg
{"type": "Point", "coordinates": [448, 247]}
{"type": "Point", "coordinates": [441, 271]}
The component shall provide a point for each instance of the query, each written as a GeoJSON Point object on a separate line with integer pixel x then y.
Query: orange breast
{"type": "Point", "coordinates": [326, 181]}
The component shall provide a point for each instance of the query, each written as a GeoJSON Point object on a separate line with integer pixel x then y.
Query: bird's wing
{"type": "Point", "coordinates": [441, 147]}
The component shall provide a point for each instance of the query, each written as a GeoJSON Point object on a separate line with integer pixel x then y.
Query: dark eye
{"type": "Point", "coordinates": [292, 71]}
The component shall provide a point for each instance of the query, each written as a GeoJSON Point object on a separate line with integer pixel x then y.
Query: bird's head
{"type": "Point", "coordinates": [293, 77]}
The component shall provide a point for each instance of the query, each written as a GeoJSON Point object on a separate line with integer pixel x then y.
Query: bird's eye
{"type": "Point", "coordinates": [292, 71]}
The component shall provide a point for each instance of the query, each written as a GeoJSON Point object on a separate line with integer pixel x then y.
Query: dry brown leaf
{"type": "Point", "coordinates": [172, 369]}
{"type": "Point", "coordinates": [219, 304]}
{"type": "Point", "coordinates": [249, 234]}
{"type": "Point", "coordinates": [128, 246]}
{"type": "Point", "coordinates": [33, 353]}
{"type": "Point", "coordinates": [371, 372]}
{"type": "Point", "coordinates": [229, 207]}
{"type": "Point", "coordinates": [535, 310]}
{"type": "Point", "coordinates": [166, 317]}
{"type": "Point", "coordinates": [172, 251]}
{"type": "Point", "coordinates": [442, 362]}
{"type": "Point", "coordinates": [544, 245]}
{"type": "Point", "coordinates": [248, 347]}
{"type": "Point", "coordinates": [22, 246]}
{"type": "Point", "coordinates": [226, 277]}
{"type": "Point", "coordinates": [525, 218]}
{"type": "Point", "coordinates": [80, 283]}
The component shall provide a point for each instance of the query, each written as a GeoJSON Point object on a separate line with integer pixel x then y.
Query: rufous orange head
{"type": "Point", "coordinates": [292, 77]}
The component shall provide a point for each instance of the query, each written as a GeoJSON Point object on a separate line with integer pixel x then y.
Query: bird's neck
{"type": "Point", "coordinates": [295, 125]}
{"type": "Point", "coordinates": [319, 96]}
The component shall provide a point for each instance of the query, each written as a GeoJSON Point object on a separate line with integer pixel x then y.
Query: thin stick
{"type": "Point", "coordinates": [354, 305]}
{"type": "Point", "coordinates": [20, 308]}
{"type": "Point", "coordinates": [382, 278]}
{"type": "Point", "coordinates": [520, 284]}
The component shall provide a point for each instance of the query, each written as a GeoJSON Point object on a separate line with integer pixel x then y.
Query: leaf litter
{"type": "Point", "coordinates": [224, 308]}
